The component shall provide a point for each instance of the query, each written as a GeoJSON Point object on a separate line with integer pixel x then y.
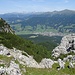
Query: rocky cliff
{"type": "Point", "coordinates": [66, 46]}
{"type": "Point", "coordinates": [5, 27]}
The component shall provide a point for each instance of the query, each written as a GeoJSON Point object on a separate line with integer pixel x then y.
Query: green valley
{"type": "Point", "coordinates": [56, 21]}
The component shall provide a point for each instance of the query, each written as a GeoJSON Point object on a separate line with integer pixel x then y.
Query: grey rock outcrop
{"type": "Point", "coordinates": [68, 58]}
{"type": "Point", "coordinates": [67, 44]}
{"type": "Point", "coordinates": [13, 69]}
{"type": "Point", "coordinates": [5, 27]}
{"type": "Point", "coordinates": [25, 60]}
{"type": "Point", "coordinates": [2, 71]}
{"type": "Point", "coordinates": [46, 63]}
{"type": "Point", "coordinates": [71, 65]}
{"type": "Point", "coordinates": [72, 62]}
{"type": "Point", "coordinates": [3, 50]}
{"type": "Point", "coordinates": [61, 64]}
{"type": "Point", "coordinates": [30, 62]}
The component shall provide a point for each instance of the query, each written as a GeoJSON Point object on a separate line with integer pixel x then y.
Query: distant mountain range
{"type": "Point", "coordinates": [56, 21]}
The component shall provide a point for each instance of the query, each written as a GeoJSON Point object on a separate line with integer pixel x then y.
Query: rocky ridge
{"type": "Point", "coordinates": [5, 27]}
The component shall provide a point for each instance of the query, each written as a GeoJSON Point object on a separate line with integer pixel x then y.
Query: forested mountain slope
{"type": "Point", "coordinates": [56, 21]}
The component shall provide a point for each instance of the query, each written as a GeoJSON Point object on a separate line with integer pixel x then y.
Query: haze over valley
{"type": "Point", "coordinates": [55, 22]}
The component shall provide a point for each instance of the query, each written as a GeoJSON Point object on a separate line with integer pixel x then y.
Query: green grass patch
{"type": "Point", "coordinates": [52, 71]}
{"type": "Point", "coordinates": [6, 59]}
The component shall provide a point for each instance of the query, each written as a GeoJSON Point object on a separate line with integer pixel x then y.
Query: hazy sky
{"type": "Point", "coordinates": [7, 6]}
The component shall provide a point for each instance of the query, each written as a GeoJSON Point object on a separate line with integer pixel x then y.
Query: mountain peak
{"type": "Point", "coordinates": [67, 11]}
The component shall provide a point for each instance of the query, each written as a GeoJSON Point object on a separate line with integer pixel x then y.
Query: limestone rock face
{"type": "Point", "coordinates": [5, 27]}
{"type": "Point", "coordinates": [67, 44]}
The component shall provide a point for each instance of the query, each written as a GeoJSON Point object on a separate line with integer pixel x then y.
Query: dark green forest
{"type": "Point", "coordinates": [49, 42]}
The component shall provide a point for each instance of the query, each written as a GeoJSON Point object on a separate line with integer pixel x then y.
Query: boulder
{"type": "Point", "coordinates": [46, 63]}
{"type": "Point", "coordinates": [61, 64]}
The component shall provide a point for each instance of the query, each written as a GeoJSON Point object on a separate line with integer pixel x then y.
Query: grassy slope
{"type": "Point", "coordinates": [6, 60]}
{"type": "Point", "coordinates": [31, 71]}
{"type": "Point", "coordinates": [12, 40]}
{"type": "Point", "coordinates": [53, 71]}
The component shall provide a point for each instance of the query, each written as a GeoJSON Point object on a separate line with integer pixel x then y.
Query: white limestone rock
{"type": "Point", "coordinates": [46, 63]}
{"type": "Point", "coordinates": [71, 65]}
{"type": "Point", "coordinates": [73, 59]}
{"type": "Point", "coordinates": [67, 44]}
{"type": "Point", "coordinates": [28, 61]}
{"type": "Point", "coordinates": [2, 71]}
{"type": "Point", "coordinates": [61, 64]}
{"type": "Point", "coordinates": [3, 50]}
{"type": "Point", "coordinates": [68, 58]}
{"type": "Point", "coordinates": [5, 27]}
{"type": "Point", "coordinates": [25, 60]}
{"type": "Point", "coordinates": [13, 69]}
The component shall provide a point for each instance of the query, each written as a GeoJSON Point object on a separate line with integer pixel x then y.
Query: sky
{"type": "Point", "coordinates": [25, 6]}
